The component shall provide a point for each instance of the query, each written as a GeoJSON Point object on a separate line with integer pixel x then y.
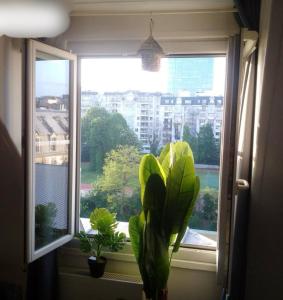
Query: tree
{"type": "Point", "coordinates": [205, 213]}
{"type": "Point", "coordinates": [88, 203]}
{"type": "Point", "coordinates": [192, 140]}
{"type": "Point", "coordinates": [119, 181]}
{"type": "Point", "coordinates": [154, 144]}
{"type": "Point", "coordinates": [207, 150]}
{"type": "Point", "coordinates": [101, 132]}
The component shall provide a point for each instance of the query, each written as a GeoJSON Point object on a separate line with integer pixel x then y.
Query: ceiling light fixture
{"type": "Point", "coordinates": [151, 52]}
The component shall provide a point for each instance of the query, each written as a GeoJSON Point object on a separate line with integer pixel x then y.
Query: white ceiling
{"type": "Point", "coordinates": [125, 6]}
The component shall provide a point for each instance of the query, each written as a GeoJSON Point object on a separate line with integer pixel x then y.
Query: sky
{"type": "Point", "coordinates": [52, 77]}
{"type": "Point", "coordinates": [120, 74]}
{"type": "Point", "coordinates": [113, 75]}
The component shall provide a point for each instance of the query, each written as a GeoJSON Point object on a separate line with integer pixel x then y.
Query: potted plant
{"type": "Point", "coordinates": [169, 189]}
{"type": "Point", "coordinates": [106, 237]}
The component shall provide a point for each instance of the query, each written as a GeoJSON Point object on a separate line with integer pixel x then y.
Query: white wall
{"type": "Point", "coordinates": [123, 35]}
{"type": "Point", "coordinates": [192, 276]}
{"type": "Point", "coordinates": [265, 238]}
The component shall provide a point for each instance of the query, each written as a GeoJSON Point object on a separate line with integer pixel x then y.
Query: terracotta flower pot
{"type": "Point", "coordinates": [97, 266]}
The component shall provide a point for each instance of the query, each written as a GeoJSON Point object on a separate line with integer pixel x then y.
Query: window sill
{"type": "Point", "coordinates": [124, 261]}
{"type": "Point", "coordinates": [193, 238]}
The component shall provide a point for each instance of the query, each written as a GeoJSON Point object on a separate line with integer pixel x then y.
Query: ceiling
{"type": "Point", "coordinates": [85, 7]}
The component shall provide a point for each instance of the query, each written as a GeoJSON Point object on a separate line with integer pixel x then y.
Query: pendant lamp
{"type": "Point", "coordinates": [151, 53]}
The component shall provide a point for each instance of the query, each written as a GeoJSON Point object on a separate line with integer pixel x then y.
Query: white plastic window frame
{"type": "Point", "coordinates": [221, 50]}
{"type": "Point", "coordinates": [33, 47]}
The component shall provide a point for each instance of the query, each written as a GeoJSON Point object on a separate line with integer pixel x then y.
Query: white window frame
{"type": "Point", "coordinates": [185, 249]}
{"type": "Point", "coordinates": [33, 47]}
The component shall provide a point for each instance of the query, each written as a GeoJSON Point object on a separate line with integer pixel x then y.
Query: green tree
{"type": "Point", "coordinates": [154, 144]}
{"type": "Point", "coordinates": [101, 132]}
{"type": "Point", "coordinates": [205, 213]}
{"type": "Point", "coordinates": [208, 152]}
{"type": "Point", "coordinates": [119, 181]}
{"type": "Point", "coordinates": [93, 200]}
{"type": "Point", "coordinates": [192, 140]}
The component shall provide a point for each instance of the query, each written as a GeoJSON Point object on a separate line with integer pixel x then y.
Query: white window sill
{"type": "Point", "coordinates": [124, 260]}
{"type": "Point", "coordinates": [192, 238]}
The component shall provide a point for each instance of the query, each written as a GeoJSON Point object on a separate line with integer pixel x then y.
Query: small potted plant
{"type": "Point", "coordinates": [106, 237]}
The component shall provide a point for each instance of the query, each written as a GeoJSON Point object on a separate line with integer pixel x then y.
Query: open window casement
{"type": "Point", "coordinates": [50, 119]}
{"type": "Point", "coordinates": [235, 194]}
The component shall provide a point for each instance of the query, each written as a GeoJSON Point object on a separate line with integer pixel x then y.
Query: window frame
{"type": "Point", "coordinates": [32, 47]}
{"type": "Point", "coordinates": [184, 248]}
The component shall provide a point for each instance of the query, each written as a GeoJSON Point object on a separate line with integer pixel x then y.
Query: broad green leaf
{"type": "Point", "coordinates": [173, 152]}
{"type": "Point", "coordinates": [185, 223]}
{"type": "Point", "coordinates": [149, 165]}
{"type": "Point", "coordinates": [164, 153]}
{"type": "Point", "coordinates": [135, 236]}
{"type": "Point", "coordinates": [180, 191]}
{"type": "Point", "coordinates": [162, 264]}
{"type": "Point", "coordinates": [156, 259]}
{"type": "Point", "coordinates": [154, 199]}
{"type": "Point", "coordinates": [167, 160]}
{"type": "Point", "coordinates": [182, 149]}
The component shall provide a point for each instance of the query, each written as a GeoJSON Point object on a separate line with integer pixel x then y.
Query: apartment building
{"type": "Point", "coordinates": [158, 116]}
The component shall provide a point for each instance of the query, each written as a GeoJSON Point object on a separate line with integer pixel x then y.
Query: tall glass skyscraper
{"type": "Point", "coordinates": [194, 75]}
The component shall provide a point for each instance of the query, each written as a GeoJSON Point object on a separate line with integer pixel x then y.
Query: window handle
{"type": "Point", "coordinates": [242, 185]}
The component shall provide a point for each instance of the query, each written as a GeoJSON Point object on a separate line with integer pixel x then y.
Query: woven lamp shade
{"type": "Point", "coordinates": [151, 53]}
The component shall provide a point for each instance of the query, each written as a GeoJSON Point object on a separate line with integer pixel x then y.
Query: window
{"type": "Point", "coordinates": [37, 144]}
{"type": "Point", "coordinates": [52, 143]}
{"type": "Point", "coordinates": [174, 100]}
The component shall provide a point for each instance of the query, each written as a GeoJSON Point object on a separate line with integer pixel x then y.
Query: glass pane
{"type": "Point", "coordinates": [127, 112]}
{"type": "Point", "coordinates": [51, 150]}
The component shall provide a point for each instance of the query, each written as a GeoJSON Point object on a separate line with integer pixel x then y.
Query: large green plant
{"type": "Point", "coordinates": [106, 236]}
{"type": "Point", "coordinates": [169, 189]}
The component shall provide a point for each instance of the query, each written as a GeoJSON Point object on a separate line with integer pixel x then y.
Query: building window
{"type": "Point", "coordinates": [53, 143]}
{"type": "Point", "coordinates": [169, 106]}
{"type": "Point", "coordinates": [37, 144]}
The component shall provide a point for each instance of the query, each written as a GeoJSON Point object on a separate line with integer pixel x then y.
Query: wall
{"type": "Point", "coordinates": [122, 35]}
{"type": "Point", "coordinates": [192, 276]}
{"type": "Point", "coordinates": [265, 238]}
{"type": "Point", "coordinates": [12, 203]}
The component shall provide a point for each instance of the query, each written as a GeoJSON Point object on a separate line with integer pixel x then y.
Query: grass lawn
{"type": "Point", "coordinates": [208, 178]}
{"type": "Point", "coordinates": [87, 175]}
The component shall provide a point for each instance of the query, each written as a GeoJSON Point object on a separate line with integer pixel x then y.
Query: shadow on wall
{"type": "Point", "coordinates": [11, 218]}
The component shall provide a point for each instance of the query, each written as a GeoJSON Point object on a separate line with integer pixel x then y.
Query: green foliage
{"type": "Point", "coordinates": [119, 181]}
{"type": "Point", "coordinates": [205, 216]}
{"type": "Point", "coordinates": [192, 140]}
{"type": "Point", "coordinates": [89, 202]}
{"type": "Point", "coordinates": [169, 189]}
{"type": "Point", "coordinates": [207, 148]}
{"type": "Point", "coordinates": [102, 220]}
{"type": "Point", "coordinates": [106, 237]}
{"type": "Point", "coordinates": [204, 145]}
{"type": "Point", "coordinates": [154, 144]}
{"type": "Point", "coordinates": [101, 132]}
{"type": "Point", "coordinates": [44, 217]}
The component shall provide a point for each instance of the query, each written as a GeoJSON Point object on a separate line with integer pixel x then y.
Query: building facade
{"type": "Point", "coordinates": [162, 117]}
